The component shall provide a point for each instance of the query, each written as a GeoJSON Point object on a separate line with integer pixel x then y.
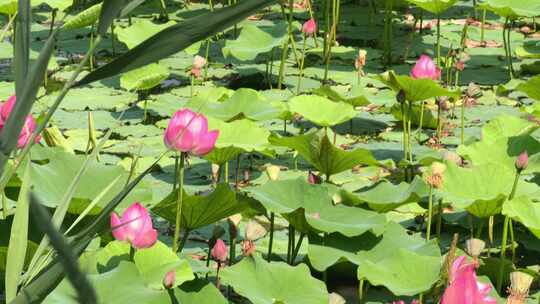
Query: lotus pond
{"type": "Point", "coordinates": [269, 152]}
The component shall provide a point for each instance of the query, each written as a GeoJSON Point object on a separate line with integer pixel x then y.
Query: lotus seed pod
{"type": "Point", "coordinates": [254, 231]}
{"type": "Point", "coordinates": [522, 161]}
{"type": "Point", "coordinates": [475, 247]}
{"type": "Point", "coordinates": [273, 172]}
{"type": "Point", "coordinates": [520, 282]}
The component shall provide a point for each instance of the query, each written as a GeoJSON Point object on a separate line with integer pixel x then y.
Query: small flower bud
{"type": "Point", "coordinates": [522, 161]}
{"type": "Point", "coordinates": [168, 280]}
{"type": "Point", "coordinates": [313, 178]}
{"type": "Point", "coordinates": [401, 97]}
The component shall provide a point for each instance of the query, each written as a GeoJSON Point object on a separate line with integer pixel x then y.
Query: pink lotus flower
{"type": "Point", "coordinates": [135, 227]}
{"type": "Point", "coordinates": [188, 132]}
{"type": "Point", "coordinates": [426, 68]}
{"type": "Point", "coordinates": [309, 27]}
{"type": "Point", "coordinates": [220, 252]}
{"type": "Point", "coordinates": [29, 124]}
{"type": "Point", "coordinates": [522, 161]}
{"type": "Point", "coordinates": [464, 287]}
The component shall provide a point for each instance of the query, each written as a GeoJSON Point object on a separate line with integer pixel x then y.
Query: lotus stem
{"type": "Point", "coordinates": [192, 84]}
{"type": "Point", "coordinates": [5, 211]}
{"type": "Point", "coordinates": [297, 248]}
{"type": "Point", "coordinates": [507, 48]}
{"type": "Point", "coordinates": [302, 60]}
{"type": "Point", "coordinates": [361, 290]}
{"type": "Point", "coordinates": [290, 244]}
{"type": "Point", "coordinates": [388, 23]}
{"type": "Point", "coordinates": [271, 241]}
{"type": "Point", "coordinates": [163, 7]}
{"type": "Point", "coordinates": [482, 29]}
{"type": "Point", "coordinates": [237, 172]}
{"type": "Point", "coordinates": [505, 235]}
{"type": "Point", "coordinates": [439, 219]}
{"type": "Point", "coordinates": [53, 17]}
{"type": "Point", "coordinates": [132, 254]}
{"type": "Point", "coordinates": [226, 173]}
{"type": "Point", "coordinates": [439, 40]}
{"type": "Point", "coordinates": [463, 121]}
{"type": "Point", "coordinates": [179, 201]}
{"type": "Point", "coordinates": [409, 130]}
{"type": "Point", "coordinates": [232, 245]}
{"type": "Point", "coordinates": [430, 213]}
{"type": "Point", "coordinates": [284, 51]}
{"type": "Point", "coordinates": [421, 123]}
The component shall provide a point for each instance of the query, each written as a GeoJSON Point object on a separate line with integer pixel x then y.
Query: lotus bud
{"type": "Point", "coordinates": [54, 138]}
{"type": "Point", "coordinates": [310, 27]}
{"type": "Point", "coordinates": [134, 227]}
{"type": "Point", "coordinates": [248, 248]}
{"type": "Point", "coordinates": [475, 247]}
{"type": "Point", "coordinates": [520, 282]}
{"type": "Point", "coordinates": [335, 298]}
{"type": "Point", "coordinates": [169, 279]}
{"type": "Point", "coordinates": [434, 178]}
{"type": "Point", "coordinates": [29, 127]}
{"type": "Point", "coordinates": [273, 172]}
{"type": "Point", "coordinates": [188, 132]}
{"type": "Point", "coordinates": [219, 251]}
{"type": "Point", "coordinates": [254, 231]}
{"type": "Point", "coordinates": [522, 161]}
{"type": "Point", "coordinates": [401, 96]}
{"type": "Point", "coordinates": [199, 62]}
{"type": "Point", "coordinates": [426, 68]}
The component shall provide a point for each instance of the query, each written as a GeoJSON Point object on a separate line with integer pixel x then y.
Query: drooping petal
{"type": "Point", "coordinates": [206, 143]}
{"type": "Point", "coordinates": [117, 228]}
{"type": "Point", "coordinates": [146, 239]}
{"type": "Point", "coordinates": [7, 107]}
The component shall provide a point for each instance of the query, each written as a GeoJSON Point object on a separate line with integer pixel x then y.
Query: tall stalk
{"type": "Point", "coordinates": [302, 60]}
{"type": "Point", "coordinates": [505, 234]}
{"type": "Point", "coordinates": [387, 39]}
{"type": "Point", "coordinates": [179, 201]}
{"type": "Point", "coordinates": [271, 241]}
{"type": "Point", "coordinates": [439, 39]}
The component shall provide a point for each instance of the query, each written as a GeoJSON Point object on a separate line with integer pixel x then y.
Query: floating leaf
{"type": "Point", "coordinates": [254, 40]}
{"type": "Point", "coordinates": [144, 78]}
{"type": "Point", "coordinates": [512, 9]}
{"type": "Point", "coordinates": [395, 262]}
{"type": "Point", "coordinates": [321, 110]}
{"type": "Point", "coordinates": [434, 6]}
{"type": "Point", "coordinates": [282, 283]}
{"type": "Point", "coordinates": [531, 88]}
{"type": "Point", "coordinates": [315, 201]}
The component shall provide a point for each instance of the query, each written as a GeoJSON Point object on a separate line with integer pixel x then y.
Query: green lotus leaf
{"type": "Point", "coordinates": [57, 4]}
{"type": "Point", "coordinates": [481, 189]}
{"type": "Point", "coordinates": [313, 203]}
{"type": "Point", "coordinates": [123, 284]}
{"type": "Point", "coordinates": [405, 264]}
{"type": "Point", "coordinates": [282, 283]}
{"type": "Point", "coordinates": [201, 210]}
{"type": "Point", "coordinates": [356, 101]}
{"type": "Point", "coordinates": [529, 50]}
{"type": "Point", "coordinates": [93, 99]}
{"type": "Point", "coordinates": [531, 88]}
{"type": "Point", "coordinates": [85, 18]}
{"type": "Point", "coordinates": [512, 9]}
{"type": "Point", "coordinates": [244, 103]}
{"type": "Point", "coordinates": [336, 248]}
{"type": "Point", "coordinates": [416, 89]}
{"type": "Point", "coordinates": [321, 110]}
{"type": "Point", "coordinates": [237, 137]}
{"type": "Point", "coordinates": [504, 150]}
{"type": "Point", "coordinates": [505, 126]}
{"type": "Point", "coordinates": [199, 291]}
{"type": "Point", "coordinates": [254, 40]}
{"type": "Point", "coordinates": [434, 6]}
{"type": "Point", "coordinates": [525, 211]}
{"type": "Point", "coordinates": [316, 148]}
{"type": "Point", "coordinates": [139, 31]}
{"type": "Point", "coordinates": [144, 78]}
{"type": "Point", "coordinates": [386, 196]}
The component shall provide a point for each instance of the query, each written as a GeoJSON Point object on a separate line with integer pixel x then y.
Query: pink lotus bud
{"type": "Point", "coordinates": [460, 66]}
{"type": "Point", "coordinates": [29, 124]}
{"type": "Point", "coordinates": [199, 62]}
{"type": "Point", "coordinates": [195, 72]}
{"type": "Point", "coordinates": [313, 178]}
{"type": "Point", "coordinates": [169, 279]}
{"type": "Point", "coordinates": [464, 286]}
{"type": "Point", "coordinates": [188, 132]}
{"type": "Point", "coordinates": [309, 27]}
{"type": "Point", "coordinates": [522, 161]}
{"type": "Point", "coordinates": [220, 252]}
{"type": "Point", "coordinates": [135, 227]}
{"type": "Point", "coordinates": [426, 68]}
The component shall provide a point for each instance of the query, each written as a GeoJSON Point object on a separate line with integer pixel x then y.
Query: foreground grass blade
{"type": "Point", "coordinates": [176, 38]}
{"type": "Point", "coordinates": [47, 279]}
{"type": "Point", "coordinates": [68, 258]}
{"type": "Point", "coordinates": [18, 240]}
{"type": "Point", "coordinates": [130, 7]}
{"type": "Point", "coordinates": [22, 45]}
{"type": "Point", "coordinates": [110, 10]}
{"type": "Point", "coordinates": [25, 100]}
